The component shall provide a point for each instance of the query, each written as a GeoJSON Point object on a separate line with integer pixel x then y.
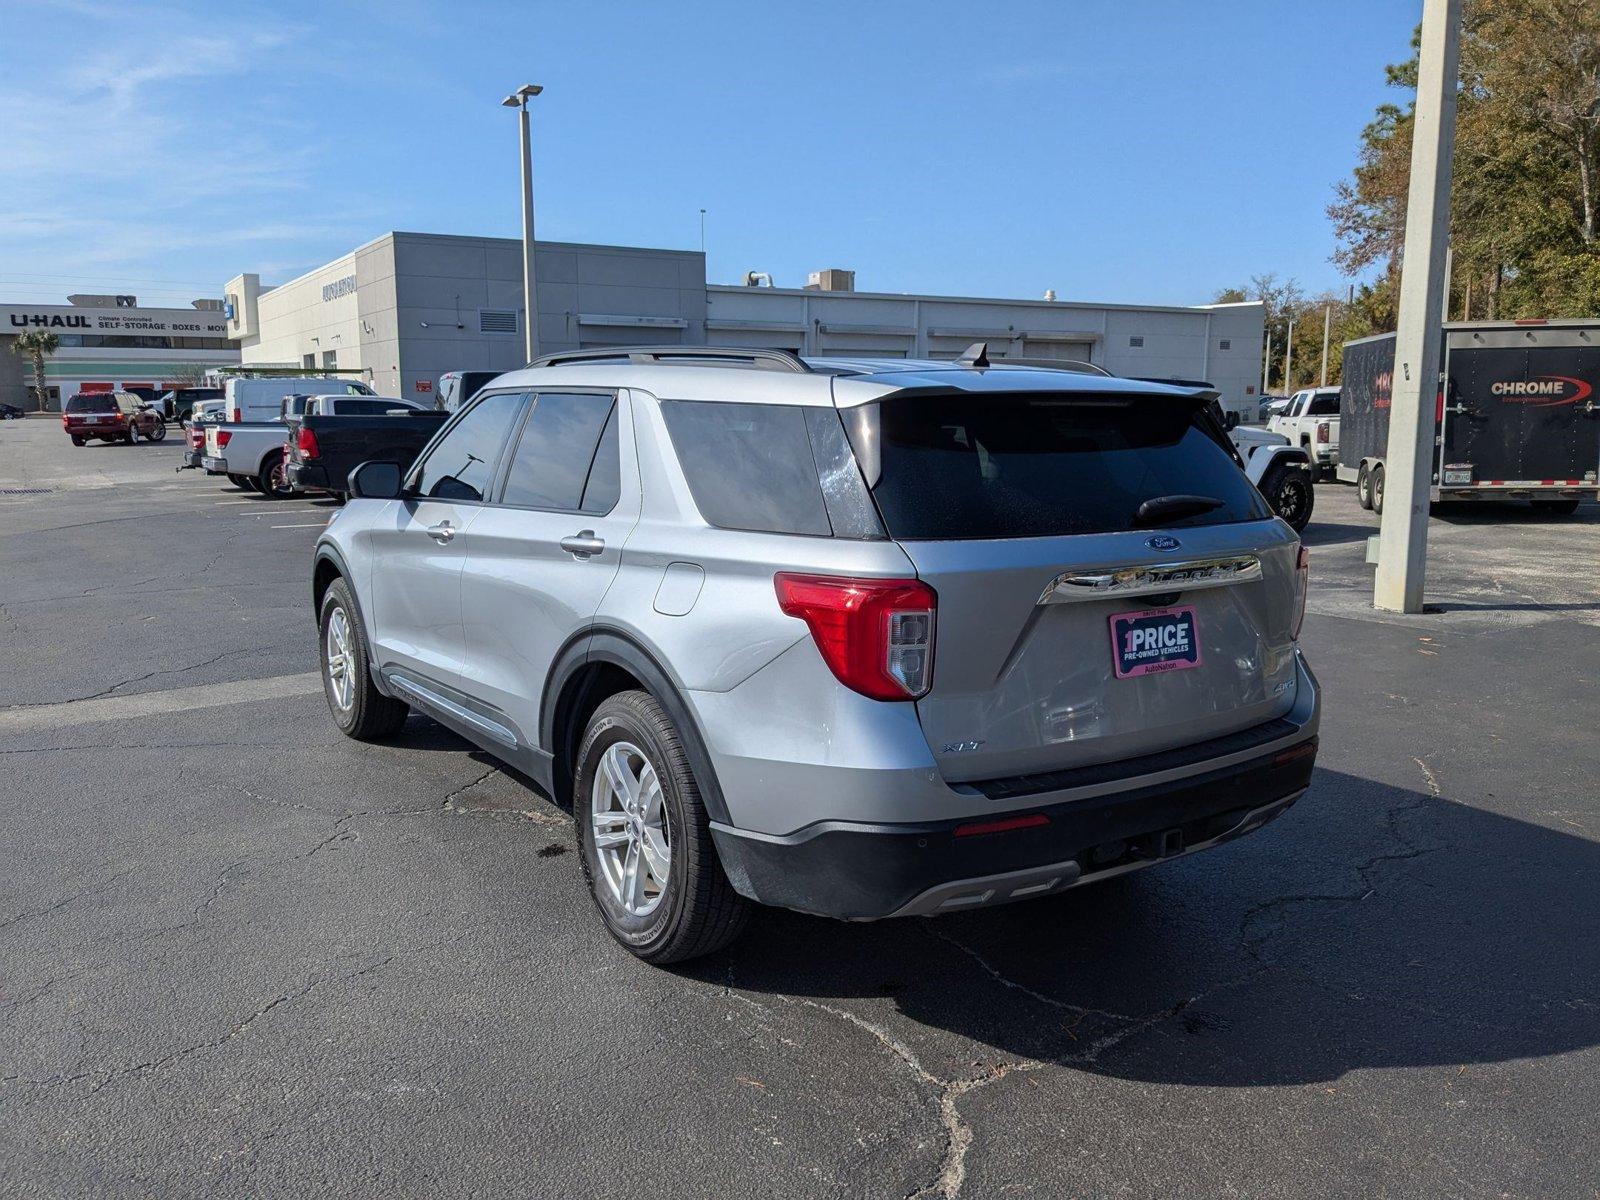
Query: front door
{"type": "Point", "coordinates": [419, 548]}
{"type": "Point", "coordinates": [540, 559]}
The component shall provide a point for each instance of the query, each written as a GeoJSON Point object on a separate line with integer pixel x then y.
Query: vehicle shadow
{"type": "Point", "coordinates": [1370, 927]}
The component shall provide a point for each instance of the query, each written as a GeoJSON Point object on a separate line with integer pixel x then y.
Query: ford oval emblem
{"type": "Point", "coordinates": [1163, 542]}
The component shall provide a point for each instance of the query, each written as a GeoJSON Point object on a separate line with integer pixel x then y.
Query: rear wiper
{"type": "Point", "coordinates": [1159, 509]}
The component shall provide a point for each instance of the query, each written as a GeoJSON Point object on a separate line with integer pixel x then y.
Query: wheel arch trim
{"type": "Point", "coordinates": [606, 644]}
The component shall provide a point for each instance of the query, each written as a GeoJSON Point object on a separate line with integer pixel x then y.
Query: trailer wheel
{"type": "Point", "coordinates": [1563, 507]}
{"type": "Point", "coordinates": [1364, 488]}
{"type": "Point", "coordinates": [1377, 490]}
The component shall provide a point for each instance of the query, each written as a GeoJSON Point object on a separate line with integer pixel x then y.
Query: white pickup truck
{"type": "Point", "coordinates": [1311, 421]}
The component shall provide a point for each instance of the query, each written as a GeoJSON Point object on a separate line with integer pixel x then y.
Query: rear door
{"type": "Point", "coordinates": [539, 560]}
{"type": "Point", "coordinates": [1070, 630]}
{"type": "Point", "coordinates": [1522, 414]}
{"type": "Point", "coordinates": [419, 547]}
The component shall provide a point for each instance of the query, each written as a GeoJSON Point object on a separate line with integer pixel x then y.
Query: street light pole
{"type": "Point", "coordinates": [1288, 358]}
{"type": "Point", "coordinates": [1327, 327]}
{"type": "Point", "coordinates": [530, 309]}
{"type": "Point", "coordinates": [1403, 540]}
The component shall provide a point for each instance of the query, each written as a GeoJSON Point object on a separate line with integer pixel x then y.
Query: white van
{"type": "Point", "coordinates": [261, 399]}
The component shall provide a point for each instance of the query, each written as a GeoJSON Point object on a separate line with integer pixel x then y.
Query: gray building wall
{"type": "Point", "coordinates": [434, 303]}
{"type": "Point", "coordinates": [424, 304]}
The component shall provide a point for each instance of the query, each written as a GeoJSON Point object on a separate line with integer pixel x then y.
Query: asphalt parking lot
{"type": "Point", "coordinates": [243, 956]}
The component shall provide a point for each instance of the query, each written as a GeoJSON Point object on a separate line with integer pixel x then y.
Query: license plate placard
{"type": "Point", "coordinates": [1154, 640]}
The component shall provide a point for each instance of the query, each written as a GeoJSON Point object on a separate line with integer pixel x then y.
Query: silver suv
{"type": "Point", "coordinates": [860, 638]}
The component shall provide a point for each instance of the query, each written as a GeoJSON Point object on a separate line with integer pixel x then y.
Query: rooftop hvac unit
{"type": "Point", "coordinates": [831, 280]}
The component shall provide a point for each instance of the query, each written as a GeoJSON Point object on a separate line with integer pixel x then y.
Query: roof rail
{"type": "Point", "coordinates": [1076, 366]}
{"type": "Point", "coordinates": [716, 356]}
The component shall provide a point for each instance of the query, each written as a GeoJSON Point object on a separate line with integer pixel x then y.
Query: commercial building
{"type": "Point", "coordinates": [407, 307]}
{"type": "Point", "coordinates": [109, 342]}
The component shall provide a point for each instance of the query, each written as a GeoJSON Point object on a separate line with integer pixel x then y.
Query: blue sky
{"type": "Point", "coordinates": [1132, 151]}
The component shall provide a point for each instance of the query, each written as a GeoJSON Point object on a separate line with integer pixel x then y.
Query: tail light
{"type": "Point", "coordinates": [876, 635]}
{"type": "Point", "coordinates": [306, 442]}
{"type": "Point", "coordinates": [1302, 584]}
{"type": "Point", "coordinates": [1322, 432]}
{"type": "Point", "coordinates": [223, 438]}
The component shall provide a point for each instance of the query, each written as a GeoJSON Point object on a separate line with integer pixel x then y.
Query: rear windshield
{"type": "Point", "coordinates": [95, 402]}
{"type": "Point", "coordinates": [988, 466]}
{"type": "Point", "coordinates": [1324, 406]}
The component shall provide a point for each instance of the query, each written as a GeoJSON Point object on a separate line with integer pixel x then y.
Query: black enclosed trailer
{"type": "Point", "coordinates": [1518, 413]}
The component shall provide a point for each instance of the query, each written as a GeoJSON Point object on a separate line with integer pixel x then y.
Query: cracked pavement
{"type": "Point", "coordinates": [243, 956]}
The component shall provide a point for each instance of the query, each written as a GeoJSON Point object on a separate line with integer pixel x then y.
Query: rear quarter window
{"type": "Point", "coordinates": [749, 466]}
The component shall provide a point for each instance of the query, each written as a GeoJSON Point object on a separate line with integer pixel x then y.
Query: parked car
{"type": "Point", "coordinates": [204, 413]}
{"type": "Point", "coordinates": [10, 412]}
{"type": "Point", "coordinates": [1271, 406]}
{"type": "Point", "coordinates": [110, 417]}
{"type": "Point", "coordinates": [457, 387]}
{"type": "Point", "coordinates": [179, 403]}
{"type": "Point", "coordinates": [325, 447]}
{"type": "Point", "coordinates": [862, 639]}
{"type": "Point", "coordinates": [1311, 421]}
{"type": "Point", "coordinates": [1283, 473]}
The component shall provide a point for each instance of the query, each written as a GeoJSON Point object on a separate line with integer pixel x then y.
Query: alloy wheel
{"type": "Point", "coordinates": [340, 662]}
{"type": "Point", "coordinates": [628, 820]}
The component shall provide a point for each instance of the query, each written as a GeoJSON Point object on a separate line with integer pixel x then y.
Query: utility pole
{"type": "Point", "coordinates": [530, 308]}
{"type": "Point", "coordinates": [1327, 328]}
{"type": "Point", "coordinates": [1288, 358]}
{"type": "Point", "coordinates": [1266, 360]}
{"type": "Point", "coordinates": [1403, 544]}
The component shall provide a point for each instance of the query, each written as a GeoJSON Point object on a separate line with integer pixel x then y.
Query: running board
{"type": "Point", "coordinates": [453, 711]}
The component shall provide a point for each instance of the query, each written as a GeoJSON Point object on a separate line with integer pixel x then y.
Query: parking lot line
{"type": "Point", "coordinates": [307, 525]}
{"type": "Point", "coordinates": [149, 704]}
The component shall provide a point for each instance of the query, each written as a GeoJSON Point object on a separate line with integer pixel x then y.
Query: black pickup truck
{"type": "Point", "coordinates": [323, 450]}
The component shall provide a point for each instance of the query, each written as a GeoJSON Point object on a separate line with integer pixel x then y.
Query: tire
{"type": "Point", "coordinates": [1364, 488]}
{"type": "Point", "coordinates": [273, 482]}
{"type": "Point", "coordinates": [359, 709]}
{"type": "Point", "coordinates": [695, 910]}
{"type": "Point", "coordinates": [1563, 507]}
{"type": "Point", "coordinates": [131, 436]}
{"type": "Point", "coordinates": [76, 440]}
{"type": "Point", "coordinates": [1292, 496]}
{"type": "Point", "coordinates": [158, 431]}
{"type": "Point", "coordinates": [242, 482]}
{"type": "Point", "coordinates": [1377, 490]}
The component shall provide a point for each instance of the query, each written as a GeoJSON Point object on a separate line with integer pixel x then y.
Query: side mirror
{"type": "Point", "coordinates": [1230, 421]}
{"type": "Point", "coordinates": [375, 481]}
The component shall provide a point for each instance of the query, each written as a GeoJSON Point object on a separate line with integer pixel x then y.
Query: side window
{"type": "Point", "coordinates": [749, 465]}
{"type": "Point", "coordinates": [566, 458]}
{"type": "Point", "coordinates": [461, 466]}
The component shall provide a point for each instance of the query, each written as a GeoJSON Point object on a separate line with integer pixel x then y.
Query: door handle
{"type": "Point", "coordinates": [442, 532]}
{"type": "Point", "coordinates": [583, 544]}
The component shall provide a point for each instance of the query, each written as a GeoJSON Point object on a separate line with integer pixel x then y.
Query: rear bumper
{"type": "Point", "coordinates": [191, 458]}
{"type": "Point", "coordinates": [309, 477]}
{"type": "Point", "coordinates": [862, 872]}
{"type": "Point", "coordinates": [214, 465]}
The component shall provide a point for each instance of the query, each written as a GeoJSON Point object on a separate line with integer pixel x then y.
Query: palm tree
{"type": "Point", "coordinates": [37, 344]}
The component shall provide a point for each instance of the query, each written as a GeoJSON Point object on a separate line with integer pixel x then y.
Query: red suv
{"type": "Point", "coordinates": [110, 417]}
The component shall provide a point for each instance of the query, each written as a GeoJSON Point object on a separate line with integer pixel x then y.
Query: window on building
{"type": "Point", "coordinates": [1225, 344]}
{"type": "Point", "coordinates": [308, 361]}
{"type": "Point", "coordinates": [1136, 341]}
{"type": "Point", "coordinates": [330, 358]}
